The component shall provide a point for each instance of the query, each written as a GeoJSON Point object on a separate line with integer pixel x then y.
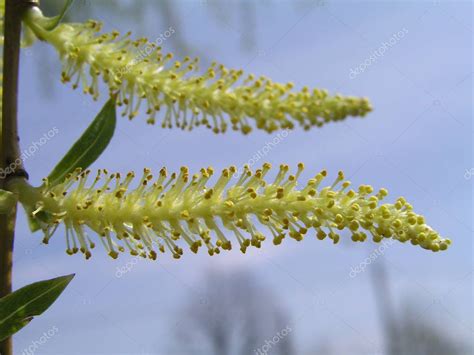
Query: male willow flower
{"type": "Point", "coordinates": [176, 209]}
{"type": "Point", "coordinates": [140, 72]}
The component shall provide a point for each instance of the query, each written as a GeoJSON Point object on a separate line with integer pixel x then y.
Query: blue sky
{"type": "Point", "coordinates": [417, 143]}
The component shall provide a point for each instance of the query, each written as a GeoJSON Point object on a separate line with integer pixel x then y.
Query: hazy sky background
{"type": "Point", "coordinates": [417, 143]}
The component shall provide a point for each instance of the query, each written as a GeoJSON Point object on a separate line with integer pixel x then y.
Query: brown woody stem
{"type": "Point", "coordinates": [10, 162]}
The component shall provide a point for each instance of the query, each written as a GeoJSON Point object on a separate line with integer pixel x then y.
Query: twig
{"type": "Point", "coordinates": [10, 161]}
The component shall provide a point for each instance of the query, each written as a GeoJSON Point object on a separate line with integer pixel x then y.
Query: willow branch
{"type": "Point", "coordinates": [10, 161]}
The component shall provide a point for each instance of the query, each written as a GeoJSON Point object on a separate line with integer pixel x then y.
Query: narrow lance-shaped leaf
{"type": "Point", "coordinates": [18, 308]}
{"type": "Point", "coordinates": [89, 146]}
{"type": "Point", "coordinates": [83, 153]}
{"type": "Point", "coordinates": [50, 23]}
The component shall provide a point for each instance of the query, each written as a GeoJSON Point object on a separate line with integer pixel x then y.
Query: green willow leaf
{"type": "Point", "coordinates": [34, 222]}
{"type": "Point", "coordinates": [18, 308]}
{"type": "Point", "coordinates": [50, 23]}
{"type": "Point", "coordinates": [89, 146]}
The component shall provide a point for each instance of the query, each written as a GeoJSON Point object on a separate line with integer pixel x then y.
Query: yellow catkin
{"type": "Point", "coordinates": [177, 93]}
{"type": "Point", "coordinates": [167, 211]}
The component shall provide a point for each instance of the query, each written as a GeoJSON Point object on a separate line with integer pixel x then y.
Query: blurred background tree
{"type": "Point", "coordinates": [408, 331]}
{"type": "Point", "coordinates": [235, 316]}
{"type": "Point", "coordinates": [241, 16]}
{"type": "Point", "coordinates": [417, 335]}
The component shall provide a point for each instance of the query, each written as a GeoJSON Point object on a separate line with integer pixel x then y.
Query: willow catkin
{"type": "Point", "coordinates": [175, 93]}
{"type": "Point", "coordinates": [177, 210]}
